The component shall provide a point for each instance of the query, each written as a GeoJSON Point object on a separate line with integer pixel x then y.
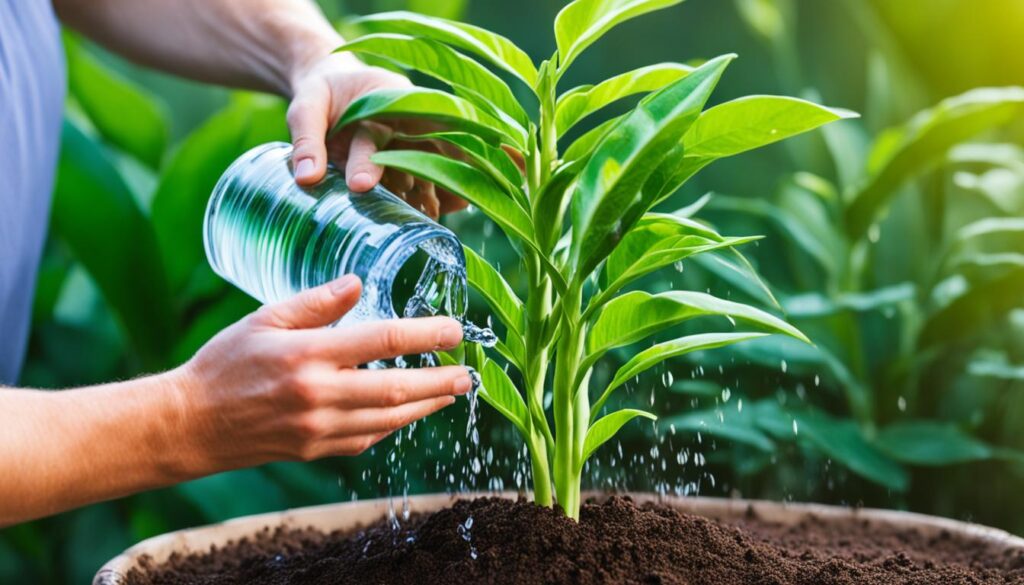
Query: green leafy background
{"type": "Point", "coordinates": [893, 241]}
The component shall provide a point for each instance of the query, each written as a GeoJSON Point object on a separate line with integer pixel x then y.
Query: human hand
{"type": "Point", "coordinates": [321, 94]}
{"type": "Point", "coordinates": [277, 385]}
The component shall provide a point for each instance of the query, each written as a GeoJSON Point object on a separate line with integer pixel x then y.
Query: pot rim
{"type": "Point", "coordinates": [349, 515]}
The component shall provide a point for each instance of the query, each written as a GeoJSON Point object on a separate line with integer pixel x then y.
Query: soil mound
{"type": "Point", "coordinates": [616, 541]}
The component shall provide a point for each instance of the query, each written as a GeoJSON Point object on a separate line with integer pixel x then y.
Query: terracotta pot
{"type": "Point", "coordinates": [353, 514]}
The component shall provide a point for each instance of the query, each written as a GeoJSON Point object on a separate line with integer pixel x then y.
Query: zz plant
{"type": "Point", "coordinates": [579, 218]}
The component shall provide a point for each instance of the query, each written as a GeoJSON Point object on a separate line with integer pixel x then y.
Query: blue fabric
{"type": "Point", "coordinates": [31, 101]}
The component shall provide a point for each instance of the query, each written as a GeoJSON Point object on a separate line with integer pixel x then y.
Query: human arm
{"type": "Point", "coordinates": [280, 46]}
{"type": "Point", "coordinates": [274, 386]}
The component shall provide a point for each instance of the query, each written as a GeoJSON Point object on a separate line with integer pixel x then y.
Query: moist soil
{"type": "Point", "coordinates": [615, 541]}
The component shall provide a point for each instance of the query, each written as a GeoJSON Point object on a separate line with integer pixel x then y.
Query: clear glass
{"type": "Point", "coordinates": [272, 239]}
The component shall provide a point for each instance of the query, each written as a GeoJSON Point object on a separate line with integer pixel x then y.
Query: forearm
{"type": "Point", "coordinates": [257, 44]}
{"type": "Point", "coordinates": [60, 450]}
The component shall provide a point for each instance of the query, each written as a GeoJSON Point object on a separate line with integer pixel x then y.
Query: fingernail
{"type": "Point", "coordinates": [462, 384]}
{"type": "Point", "coordinates": [304, 168]}
{"type": "Point", "coordinates": [343, 284]}
{"type": "Point", "coordinates": [362, 182]}
{"type": "Point", "coordinates": [450, 336]}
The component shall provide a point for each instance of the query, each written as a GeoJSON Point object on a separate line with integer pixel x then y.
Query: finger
{"type": "Point", "coordinates": [315, 307]}
{"type": "Point", "coordinates": [377, 340]}
{"type": "Point", "coordinates": [361, 173]}
{"type": "Point", "coordinates": [428, 201]}
{"type": "Point", "coordinates": [394, 387]}
{"type": "Point", "coordinates": [345, 446]}
{"type": "Point", "coordinates": [307, 121]}
{"type": "Point", "coordinates": [385, 420]}
{"type": "Point", "coordinates": [397, 182]}
{"type": "Point", "coordinates": [449, 202]}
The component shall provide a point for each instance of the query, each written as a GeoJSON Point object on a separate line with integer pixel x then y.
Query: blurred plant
{"type": "Point", "coordinates": [903, 271]}
{"type": "Point", "coordinates": [575, 310]}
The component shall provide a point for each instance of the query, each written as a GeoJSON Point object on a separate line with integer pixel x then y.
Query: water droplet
{"type": "Point", "coordinates": [901, 403]}
{"type": "Point", "coordinates": [785, 366]}
{"type": "Point", "coordinates": [796, 430]}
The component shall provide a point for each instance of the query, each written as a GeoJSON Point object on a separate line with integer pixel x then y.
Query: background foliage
{"type": "Point", "coordinates": [911, 398]}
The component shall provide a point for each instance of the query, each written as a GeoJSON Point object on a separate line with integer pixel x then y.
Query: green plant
{"type": "Point", "coordinates": [580, 218]}
{"type": "Point", "coordinates": [900, 260]}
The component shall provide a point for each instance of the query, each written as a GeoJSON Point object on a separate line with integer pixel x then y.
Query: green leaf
{"type": "Point", "coordinates": [123, 114]}
{"type": "Point", "coordinates": [495, 49]}
{"type": "Point", "coordinates": [607, 199]}
{"type": "Point", "coordinates": [975, 311]}
{"type": "Point", "coordinates": [740, 427]}
{"type": "Point", "coordinates": [498, 391]}
{"type": "Point", "coordinates": [583, 147]}
{"type": "Point", "coordinates": [96, 215]}
{"type": "Point", "coordinates": [492, 160]}
{"type": "Point", "coordinates": [654, 244]}
{"type": "Point", "coordinates": [996, 366]}
{"type": "Point", "coordinates": [432, 104]}
{"type": "Point", "coordinates": [605, 428]}
{"type": "Point", "coordinates": [582, 22]}
{"type": "Point", "coordinates": [843, 441]}
{"type": "Point", "coordinates": [451, 9]}
{"type": "Point", "coordinates": [656, 354]}
{"type": "Point", "coordinates": [498, 294]}
{"type": "Point", "coordinates": [901, 153]}
{"type": "Point", "coordinates": [465, 181]}
{"type": "Point", "coordinates": [552, 202]}
{"type": "Point", "coordinates": [638, 314]}
{"type": "Point", "coordinates": [192, 171]}
{"type": "Point", "coordinates": [754, 121]}
{"type": "Point", "coordinates": [235, 493]}
{"type": "Point", "coordinates": [929, 442]}
{"type": "Point", "coordinates": [580, 102]}
{"type": "Point", "coordinates": [801, 237]}
{"type": "Point", "coordinates": [467, 77]}
{"type": "Point", "coordinates": [739, 126]}
{"type": "Point", "coordinates": [815, 305]}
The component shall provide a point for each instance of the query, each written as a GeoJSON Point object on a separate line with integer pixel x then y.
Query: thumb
{"type": "Point", "coordinates": [316, 307]}
{"type": "Point", "coordinates": [307, 122]}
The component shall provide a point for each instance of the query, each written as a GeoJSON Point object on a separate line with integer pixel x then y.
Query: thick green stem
{"type": "Point", "coordinates": [567, 361]}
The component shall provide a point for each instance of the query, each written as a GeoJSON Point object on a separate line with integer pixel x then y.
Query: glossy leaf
{"type": "Point", "coordinates": [467, 77]}
{"type": "Point", "coordinates": [122, 113]}
{"type": "Point", "coordinates": [90, 192]}
{"type": "Point", "coordinates": [582, 22]}
{"type": "Point", "coordinates": [583, 147]}
{"type": "Point", "coordinates": [927, 442]}
{"type": "Point", "coordinates": [608, 198]}
{"type": "Point", "coordinates": [606, 427]}
{"type": "Point", "coordinates": [498, 391]}
{"type": "Point", "coordinates": [465, 181]}
{"type": "Point", "coordinates": [490, 159]}
{"type": "Point", "coordinates": [498, 294]}
{"type": "Point", "coordinates": [552, 202]}
{"type": "Point", "coordinates": [580, 102]}
{"type": "Point", "coordinates": [654, 244]}
{"type": "Point", "coordinates": [495, 49]}
{"type": "Point", "coordinates": [754, 121]}
{"type": "Point", "coordinates": [901, 153]}
{"type": "Point", "coordinates": [448, 109]}
{"type": "Point", "coordinates": [660, 352]}
{"type": "Point", "coordinates": [638, 314]}
{"type": "Point", "coordinates": [739, 126]}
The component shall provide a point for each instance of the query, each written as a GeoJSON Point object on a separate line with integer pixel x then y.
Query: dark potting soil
{"type": "Point", "coordinates": [616, 541]}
